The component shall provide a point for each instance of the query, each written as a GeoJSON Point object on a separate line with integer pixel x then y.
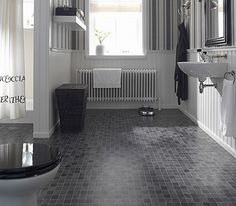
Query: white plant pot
{"type": "Point", "coordinates": [100, 50]}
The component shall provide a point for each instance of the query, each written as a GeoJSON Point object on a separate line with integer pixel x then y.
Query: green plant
{"type": "Point", "coordinates": [101, 35]}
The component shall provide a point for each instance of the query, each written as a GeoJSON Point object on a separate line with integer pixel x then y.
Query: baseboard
{"type": "Point", "coordinates": [119, 105]}
{"type": "Point", "coordinates": [169, 106]}
{"type": "Point", "coordinates": [210, 133]}
{"type": "Point", "coordinates": [45, 135]}
{"type": "Point", "coordinates": [127, 105]}
{"type": "Point", "coordinates": [41, 135]}
{"type": "Point", "coordinates": [52, 130]}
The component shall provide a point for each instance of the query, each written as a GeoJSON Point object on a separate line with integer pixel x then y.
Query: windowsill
{"type": "Point", "coordinates": [141, 56]}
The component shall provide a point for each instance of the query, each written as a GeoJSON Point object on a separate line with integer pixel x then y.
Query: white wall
{"type": "Point", "coordinates": [162, 35]}
{"type": "Point", "coordinates": [51, 70]}
{"type": "Point", "coordinates": [41, 68]}
{"type": "Point", "coordinates": [204, 108]}
{"type": "Point", "coordinates": [59, 73]}
{"type": "Point", "coordinates": [163, 61]}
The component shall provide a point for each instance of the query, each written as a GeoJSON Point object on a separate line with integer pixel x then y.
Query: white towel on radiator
{"type": "Point", "coordinates": [107, 78]}
{"type": "Point", "coordinates": [228, 109]}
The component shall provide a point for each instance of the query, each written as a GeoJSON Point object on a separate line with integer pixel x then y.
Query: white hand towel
{"type": "Point", "coordinates": [107, 78]}
{"type": "Point", "coordinates": [228, 109]}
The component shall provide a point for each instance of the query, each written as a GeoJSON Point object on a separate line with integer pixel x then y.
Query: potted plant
{"type": "Point", "coordinates": [101, 35]}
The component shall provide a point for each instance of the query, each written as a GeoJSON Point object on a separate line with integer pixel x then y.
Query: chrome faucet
{"type": "Point", "coordinates": [204, 57]}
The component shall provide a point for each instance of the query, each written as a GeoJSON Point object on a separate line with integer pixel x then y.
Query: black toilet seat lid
{"type": "Point", "coordinates": [27, 160]}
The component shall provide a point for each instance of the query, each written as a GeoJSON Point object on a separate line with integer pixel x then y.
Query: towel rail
{"type": "Point", "coordinates": [231, 74]}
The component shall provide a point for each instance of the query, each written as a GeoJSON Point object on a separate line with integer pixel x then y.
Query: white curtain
{"type": "Point", "coordinates": [12, 67]}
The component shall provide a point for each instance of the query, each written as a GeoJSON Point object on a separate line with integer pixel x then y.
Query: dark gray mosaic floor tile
{"type": "Point", "coordinates": [123, 159]}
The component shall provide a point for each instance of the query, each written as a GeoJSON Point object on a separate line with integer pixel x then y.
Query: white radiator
{"type": "Point", "coordinates": [136, 85]}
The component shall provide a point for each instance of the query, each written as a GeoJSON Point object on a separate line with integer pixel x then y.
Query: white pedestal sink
{"type": "Point", "coordinates": [203, 70]}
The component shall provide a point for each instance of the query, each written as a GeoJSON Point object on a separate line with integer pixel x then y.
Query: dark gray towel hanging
{"type": "Point", "coordinates": [181, 79]}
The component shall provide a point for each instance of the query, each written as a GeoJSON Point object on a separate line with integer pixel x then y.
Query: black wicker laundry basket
{"type": "Point", "coordinates": [71, 101]}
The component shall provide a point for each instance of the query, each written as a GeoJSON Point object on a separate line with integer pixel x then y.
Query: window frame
{"type": "Point", "coordinates": [31, 26]}
{"type": "Point", "coordinates": [120, 56]}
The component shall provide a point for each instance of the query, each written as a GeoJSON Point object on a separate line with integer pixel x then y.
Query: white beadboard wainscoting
{"type": "Point", "coordinates": [204, 109]}
{"type": "Point", "coordinates": [163, 61]}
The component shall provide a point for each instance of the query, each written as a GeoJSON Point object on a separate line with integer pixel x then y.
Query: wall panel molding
{"type": "Point", "coordinates": [163, 61]}
{"type": "Point", "coordinates": [205, 108]}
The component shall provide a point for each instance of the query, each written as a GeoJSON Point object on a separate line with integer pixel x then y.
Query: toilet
{"type": "Point", "coordinates": [24, 170]}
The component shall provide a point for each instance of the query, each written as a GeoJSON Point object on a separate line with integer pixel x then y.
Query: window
{"type": "Point", "coordinates": [28, 14]}
{"type": "Point", "coordinates": [119, 26]}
